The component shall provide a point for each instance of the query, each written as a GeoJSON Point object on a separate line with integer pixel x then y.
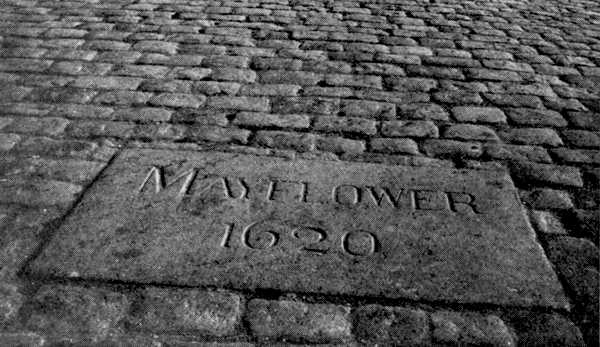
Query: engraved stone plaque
{"type": "Point", "coordinates": [250, 222]}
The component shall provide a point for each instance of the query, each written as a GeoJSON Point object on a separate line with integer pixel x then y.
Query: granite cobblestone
{"type": "Point", "coordinates": [442, 82]}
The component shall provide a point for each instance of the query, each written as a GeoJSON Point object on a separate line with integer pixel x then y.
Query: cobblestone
{"type": "Point", "coordinates": [547, 330]}
{"type": "Point", "coordinates": [470, 329]}
{"type": "Point", "coordinates": [528, 116]}
{"type": "Point", "coordinates": [547, 222]}
{"type": "Point", "coordinates": [41, 126]}
{"type": "Point", "coordinates": [93, 129]}
{"type": "Point", "coordinates": [122, 97]}
{"type": "Point", "coordinates": [279, 139]}
{"type": "Point", "coordinates": [364, 81]}
{"type": "Point", "coordinates": [585, 120]}
{"type": "Point", "coordinates": [393, 326]}
{"type": "Point", "coordinates": [451, 148]}
{"type": "Point", "coordinates": [109, 82]}
{"type": "Point", "coordinates": [8, 141]}
{"type": "Point", "coordinates": [532, 136]}
{"type": "Point", "coordinates": [411, 84]}
{"type": "Point", "coordinates": [582, 138]}
{"type": "Point", "coordinates": [242, 103]}
{"type": "Point", "coordinates": [577, 262]}
{"type": "Point", "coordinates": [178, 100]}
{"type": "Point", "coordinates": [478, 114]}
{"type": "Point", "coordinates": [296, 321]}
{"type": "Point", "coordinates": [467, 85]}
{"type": "Point", "coordinates": [546, 173]}
{"type": "Point", "coordinates": [423, 111]}
{"type": "Point", "coordinates": [60, 309]}
{"type": "Point", "coordinates": [470, 132]}
{"type": "Point", "coordinates": [11, 301]}
{"type": "Point", "coordinates": [542, 199]}
{"type": "Point", "coordinates": [404, 146]}
{"type": "Point", "coordinates": [36, 193]}
{"type": "Point", "coordinates": [142, 114]}
{"type": "Point", "coordinates": [517, 153]}
{"type": "Point", "coordinates": [368, 109]}
{"type": "Point", "coordinates": [308, 105]}
{"type": "Point", "coordinates": [409, 129]}
{"type": "Point", "coordinates": [574, 156]}
{"type": "Point", "coordinates": [270, 90]}
{"type": "Point", "coordinates": [28, 225]}
{"type": "Point", "coordinates": [255, 119]}
{"type": "Point", "coordinates": [346, 124]}
{"type": "Point", "coordinates": [339, 145]}
{"type": "Point", "coordinates": [214, 134]}
{"type": "Point", "coordinates": [234, 75]}
{"type": "Point", "coordinates": [186, 311]}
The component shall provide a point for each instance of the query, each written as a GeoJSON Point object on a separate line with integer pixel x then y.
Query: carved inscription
{"type": "Point", "coordinates": [267, 235]}
{"type": "Point", "coordinates": [288, 191]}
{"type": "Point", "coordinates": [247, 222]}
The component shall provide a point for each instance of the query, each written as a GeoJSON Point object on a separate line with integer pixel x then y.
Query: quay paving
{"type": "Point", "coordinates": [299, 172]}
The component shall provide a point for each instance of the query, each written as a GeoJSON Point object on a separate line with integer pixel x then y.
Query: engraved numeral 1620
{"type": "Point", "coordinates": [266, 235]}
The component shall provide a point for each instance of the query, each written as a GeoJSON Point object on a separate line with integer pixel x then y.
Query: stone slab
{"type": "Point", "coordinates": [249, 222]}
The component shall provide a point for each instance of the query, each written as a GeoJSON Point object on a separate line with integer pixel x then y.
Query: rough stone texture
{"type": "Point", "coordinates": [392, 326]}
{"type": "Point", "coordinates": [59, 310]}
{"type": "Point", "coordinates": [479, 114]}
{"type": "Point", "coordinates": [22, 231]}
{"type": "Point", "coordinates": [547, 174]}
{"type": "Point", "coordinates": [546, 199]}
{"type": "Point", "coordinates": [470, 132]}
{"type": "Point", "coordinates": [546, 330]}
{"type": "Point", "coordinates": [298, 321]}
{"type": "Point", "coordinates": [186, 312]}
{"type": "Point", "coordinates": [452, 149]}
{"type": "Point", "coordinates": [255, 119]}
{"type": "Point", "coordinates": [11, 301]}
{"type": "Point", "coordinates": [81, 78]}
{"type": "Point", "coordinates": [547, 222]}
{"type": "Point", "coordinates": [577, 262]}
{"type": "Point", "coordinates": [409, 129]}
{"type": "Point", "coordinates": [459, 329]}
{"type": "Point", "coordinates": [361, 258]}
{"type": "Point", "coordinates": [38, 192]}
{"type": "Point", "coordinates": [407, 146]}
{"type": "Point", "coordinates": [22, 339]}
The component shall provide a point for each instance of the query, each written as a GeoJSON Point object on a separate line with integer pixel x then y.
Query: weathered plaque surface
{"type": "Point", "coordinates": [242, 221]}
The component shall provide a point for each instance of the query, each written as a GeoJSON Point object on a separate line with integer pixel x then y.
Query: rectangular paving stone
{"type": "Point", "coordinates": [249, 222]}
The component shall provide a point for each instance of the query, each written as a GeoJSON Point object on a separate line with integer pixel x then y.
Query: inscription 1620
{"type": "Point", "coordinates": [249, 222]}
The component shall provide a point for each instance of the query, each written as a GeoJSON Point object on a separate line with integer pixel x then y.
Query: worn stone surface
{"type": "Point", "coordinates": [546, 330]}
{"type": "Point", "coordinates": [186, 311]}
{"type": "Point", "coordinates": [298, 321]}
{"type": "Point", "coordinates": [460, 329]}
{"type": "Point", "coordinates": [59, 310]}
{"type": "Point", "coordinates": [270, 224]}
{"type": "Point", "coordinates": [431, 83]}
{"type": "Point", "coordinates": [393, 326]}
{"type": "Point", "coordinates": [11, 300]}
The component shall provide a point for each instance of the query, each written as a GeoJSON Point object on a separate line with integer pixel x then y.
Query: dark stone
{"type": "Point", "coordinates": [546, 330]}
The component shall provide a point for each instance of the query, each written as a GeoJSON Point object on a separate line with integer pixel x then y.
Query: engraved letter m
{"type": "Point", "coordinates": [156, 174]}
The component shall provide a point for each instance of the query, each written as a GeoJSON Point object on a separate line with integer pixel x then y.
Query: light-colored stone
{"type": "Point", "coordinates": [249, 222]}
{"type": "Point", "coordinates": [187, 311]}
{"type": "Point", "coordinates": [470, 329]}
{"type": "Point", "coordinates": [297, 321]}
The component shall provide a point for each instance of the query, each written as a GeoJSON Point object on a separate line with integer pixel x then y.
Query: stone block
{"type": "Point", "coordinates": [297, 321]}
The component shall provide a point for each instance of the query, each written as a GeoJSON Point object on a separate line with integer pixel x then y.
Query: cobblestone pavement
{"type": "Point", "coordinates": [499, 84]}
